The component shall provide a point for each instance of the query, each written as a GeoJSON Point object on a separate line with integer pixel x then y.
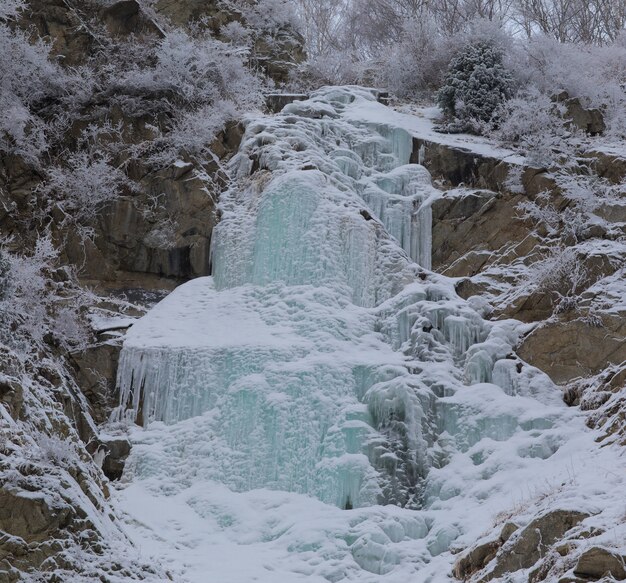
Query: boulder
{"type": "Point", "coordinates": [477, 557]}
{"type": "Point", "coordinates": [126, 17]}
{"type": "Point", "coordinates": [590, 120]}
{"type": "Point", "coordinates": [31, 515]}
{"type": "Point", "coordinates": [118, 450]}
{"type": "Point", "coordinates": [531, 543]}
{"type": "Point", "coordinates": [567, 349]}
{"type": "Point", "coordinates": [609, 165]}
{"type": "Point", "coordinates": [598, 562]}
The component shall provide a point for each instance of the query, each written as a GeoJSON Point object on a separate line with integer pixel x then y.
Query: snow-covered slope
{"type": "Point", "coordinates": [325, 407]}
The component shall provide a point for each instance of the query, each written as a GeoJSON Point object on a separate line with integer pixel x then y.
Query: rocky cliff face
{"type": "Point", "coordinates": [162, 227]}
{"type": "Point", "coordinates": [482, 235]}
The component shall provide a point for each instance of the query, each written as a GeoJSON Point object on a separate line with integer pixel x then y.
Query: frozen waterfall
{"type": "Point", "coordinates": [323, 358]}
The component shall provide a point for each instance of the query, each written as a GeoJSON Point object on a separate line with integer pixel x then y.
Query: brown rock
{"type": "Point", "coordinates": [278, 53]}
{"type": "Point", "coordinates": [475, 560]}
{"type": "Point", "coordinates": [529, 544]}
{"type": "Point", "coordinates": [96, 369]}
{"type": "Point", "coordinates": [479, 556]}
{"type": "Point", "coordinates": [598, 562]}
{"type": "Point", "coordinates": [165, 231]}
{"type": "Point", "coordinates": [611, 166]}
{"type": "Point", "coordinates": [472, 230]}
{"type": "Point", "coordinates": [567, 349]}
{"type": "Point", "coordinates": [56, 21]}
{"type": "Point", "coordinates": [453, 164]}
{"type": "Point", "coordinates": [589, 120]}
{"type": "Point", "coordinates": [29, 515]}
{"type": "Point", "coordinates": [184, 12]}
{"type": "Point", "coordinates": [542, 569]}
{"type": "Point", "coordinates": [126, 17]}
{"type": "Point", "coordinates": [507, 531]}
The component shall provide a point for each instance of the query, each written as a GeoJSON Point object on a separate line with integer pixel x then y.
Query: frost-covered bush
{"type": "Point", "coordinates": [236, 33]}
{"type": "Point", "coordinates": [416, 65]}
{"type": "Point", "coordinates": [268, 15]}
{"type": "Point", "coordinates": [54, 450]}
{"type": "Point", "coordinates": [562, 274]}
{"type": "Point", "coordinates": [542, 212]}
{"type": "Point", "coordinates": [34, 308]}
{"type": "Point", "coordinates": [587, 193]}
{"type": "Point", "coordinates": [10, 8]}
{"type": "Point", "coordinates": [594, 74]}
{"type": "Point", "coordinates": [163, 235]}
{"type": "Point", "coordinates": [196, 71]}
{"type": "Point", "coordinates": [27, 76]}
{"type": "Point", "coordinates": [476, 84]}
{"type": "Point", "coordinates": [29, 83]}
{"type": "Point", "coordinates": [532, 123]}
{"type": "Point", "coordinates": [82, 181]}
{"type": "Point", "coordinates": [82, 185]}
{"type": "Point", "coordinates": [331, 69]}
{"type": "Point", "coordinates": [199, 83]}
{"type": "Point", "coordinates": [570, 222]}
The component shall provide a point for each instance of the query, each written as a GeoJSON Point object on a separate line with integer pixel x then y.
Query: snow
{"type": "Point", "coordinates": [105, 321]}
{"type": "Point", "coordinates": [204, 531]}
{"type": "Point", "coordinates": [421, 123]}
{"type": "Point", "coordinates": [320, 408]}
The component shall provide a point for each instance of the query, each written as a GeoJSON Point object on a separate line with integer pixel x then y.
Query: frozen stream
{"type": "Point", "coordinates": [325, 408]}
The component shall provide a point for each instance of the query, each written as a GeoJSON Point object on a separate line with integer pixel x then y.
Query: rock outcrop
{"type": "Point", "coordinates": [480, 235]}
{"type": "Point", "coordinates": [517, 548]}
{"type": "Point", "coordinates": [571, 347]}
{"type": "Point", "coordinates": [589, 120]}
{"type": "Point", "coordinates": [479, 556]}
{"type": "Point", "coordinates": [598, 562]}
{"type": "Point", "coordinates": [277, 50]}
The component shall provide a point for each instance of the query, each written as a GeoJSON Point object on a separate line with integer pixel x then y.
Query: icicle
{"type": "Point", "coordinates": [462, 332]}
{"type": "Point", "coordinates": [505, 375]}
{"type": "Point", "coordinates": [478, 367]}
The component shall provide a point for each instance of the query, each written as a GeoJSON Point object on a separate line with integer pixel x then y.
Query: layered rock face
{"type": "Point", "coordinates": [480, 234]}
{"type": "Point", "coordinates": [163, 228]}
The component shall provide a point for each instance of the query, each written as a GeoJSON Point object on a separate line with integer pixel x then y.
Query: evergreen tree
{"type": "Point", "coordinates": [475, 85]}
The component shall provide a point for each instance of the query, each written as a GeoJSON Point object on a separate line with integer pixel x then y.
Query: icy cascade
{"type": "Point", "coordinates": [321, 359]}
{"type": "Point", "coordinates": [301, 259]}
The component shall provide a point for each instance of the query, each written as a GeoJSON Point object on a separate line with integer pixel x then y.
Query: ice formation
{"type": "Point", "coordinates": [323, 360]}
